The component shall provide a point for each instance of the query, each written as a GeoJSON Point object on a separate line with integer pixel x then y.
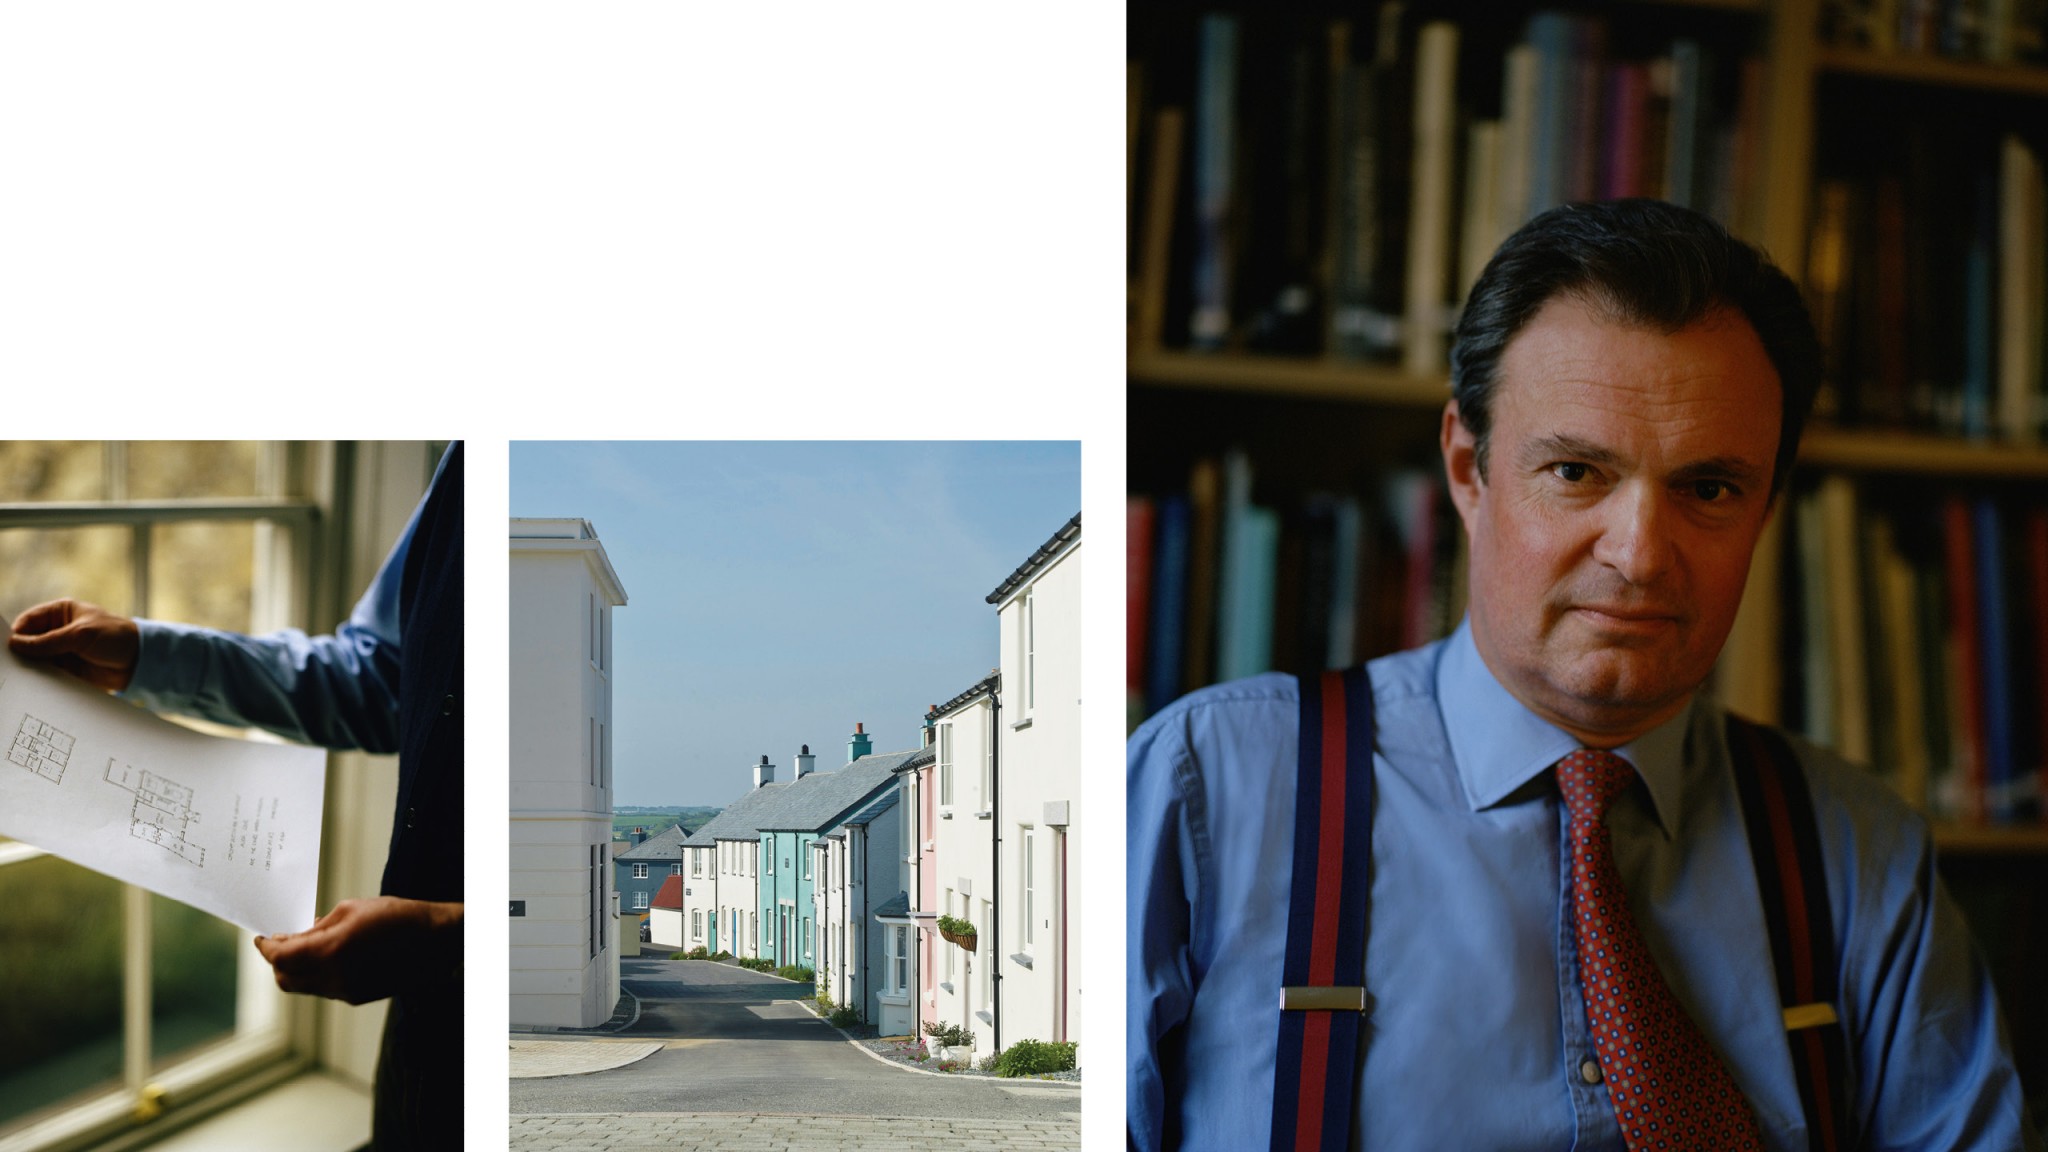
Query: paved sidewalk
{"type": "Point", "coordinates": [720, 1132]}
{"type": "Point", "coordinates": [532, 1059]}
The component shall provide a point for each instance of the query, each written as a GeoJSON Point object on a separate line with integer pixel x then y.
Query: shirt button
{"type": "Point", "coordinates": [448, 706]}
{"type": "Point", "coordinates": [412, 813]}
{"type": "Point", "coordinates": [1589, 1072]}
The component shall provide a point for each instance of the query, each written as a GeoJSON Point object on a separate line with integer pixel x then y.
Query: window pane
{"type": "Point", "coordinates": [60, 1004]}
{"type": "Point", "coordinates": [185, 469]}
{"type": "Point", "coordinates": [200, 572]}
{"type": "Point", "coordinates": [38, 564]}
{"type": "Point", "coordinates": [52, 470]}
{"type": "Point", "coordinates": [193, 964]}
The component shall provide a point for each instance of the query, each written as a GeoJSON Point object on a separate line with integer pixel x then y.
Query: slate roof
{"type": "Point", "coordinates": [987, 684]}
{"type": "Point", "coordinates": [822, 799]}
{"type": "Point", "coordinates": [897, 906]}
{"type": "Point", "coordinates": [671, 894]}
{"type": "Point", "coordinates": [1037, 560]}
{"type": "Point", "coordinates": [737, 822]}
{"type": "Point", "coordinates": [666, 844]}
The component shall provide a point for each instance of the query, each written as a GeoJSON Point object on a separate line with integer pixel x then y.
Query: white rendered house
{"type": "Point", "coordinates": [1038, 780]}
{"type": "Point", "coordinates": [964, 747]}
{"type": "Point", "coordinates": [564, 964]}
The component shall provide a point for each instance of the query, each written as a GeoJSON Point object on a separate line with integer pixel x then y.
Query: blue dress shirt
{"type": "Point", "coordinates": [338, 691]}
{"type": "Point", "coordinates": [1475, 1034]}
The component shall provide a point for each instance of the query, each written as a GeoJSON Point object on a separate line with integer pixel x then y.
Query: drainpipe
{"type": "Point", "coordinates": [995, 908]}
{"type": "Point", "coordinates": [864, 949]}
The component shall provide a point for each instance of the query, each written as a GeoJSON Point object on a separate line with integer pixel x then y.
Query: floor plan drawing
{"type": "Point", "coordinates": [162, 812]}
{"type": "Point", "coordinates": [43, 749]}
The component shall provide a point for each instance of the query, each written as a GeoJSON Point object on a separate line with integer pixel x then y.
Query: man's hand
{"type": "Point", "coordinates": [367, 950]}
{"type": "Point", "coordinates": [83, 639]}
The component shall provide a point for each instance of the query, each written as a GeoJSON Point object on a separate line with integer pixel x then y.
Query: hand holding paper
{"type": "Point", "coordinates": [84, 639]}
{"type": "Point", "coordinates": [367, 950]}
{"type": "Point", "coordinates": [231, 827]}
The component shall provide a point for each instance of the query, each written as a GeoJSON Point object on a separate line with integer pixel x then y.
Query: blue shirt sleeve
{"type": "Point", "coordinates": [338, 691]}
{"type": "Point", "coordinates": [1159, 846]}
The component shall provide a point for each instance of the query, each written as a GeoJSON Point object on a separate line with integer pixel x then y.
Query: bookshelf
{"type": "Point", "coordinates": [1809, 106]}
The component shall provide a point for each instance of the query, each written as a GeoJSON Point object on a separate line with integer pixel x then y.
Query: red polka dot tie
{"type": "Point", "coordinates": [1669, 1089]}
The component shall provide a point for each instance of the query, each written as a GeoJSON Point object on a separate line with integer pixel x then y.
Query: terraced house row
{"type": "Point", "coordinates": [850, 871]}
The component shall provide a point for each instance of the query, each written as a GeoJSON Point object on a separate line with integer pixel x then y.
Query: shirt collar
{"type": "Point", "coordinates": [1498, 745]}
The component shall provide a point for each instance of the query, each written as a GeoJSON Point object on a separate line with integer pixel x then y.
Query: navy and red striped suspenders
{"type": "Point", "coordinates": [1323, 997]}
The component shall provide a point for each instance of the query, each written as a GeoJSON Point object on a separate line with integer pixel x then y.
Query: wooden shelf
{"type": "Point", "coordinates": [1991, 839]}
{"type": "Point", "coordinates": [1919, 454]}
{"type": "Point", "coordinates": [1289, 377]}
{"type": "Point", "coordinates": [1912, 68]}
{"type": "Point", "coordinates": [1314, 379]}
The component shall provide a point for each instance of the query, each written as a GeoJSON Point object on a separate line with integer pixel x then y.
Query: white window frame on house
{"type": "Point", "coordinates": [1026, 918]}
{"type": "Point", "coordinates": [640, 901]}
{"type": "Point", "coordinates": [696, 864]}
{"type": "Point", "coordinates": [675, 869]}
{"type": "Point", "coordinates": [1027, 654]}
{"type": "Point", "coordinates": [945, 755]}
{"type": "Point", "coordinates": [899, 960]}
{"type": "Point", "coordinates": [697, 924]}
{"type": "Point", "coordinates": [768, 857]}
{"type": "Point", "coordinates": [639, 871]}
{"type": "Point", "coordinates": [306, 492]}
{"type": "Point", "coordinates": [988, 759]}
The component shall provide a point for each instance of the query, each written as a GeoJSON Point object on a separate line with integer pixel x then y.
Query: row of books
{"type": "Point", "coordinates": [1222, 586]}
{"type": "Point", "coordinates": [1345, 185]}
{"type": "Point", "coordinates": [1917, 641]}
{"type": "Point", "coordinates": [1995, 31]}
{"type": "Point", "coordinates": [1927, 275]}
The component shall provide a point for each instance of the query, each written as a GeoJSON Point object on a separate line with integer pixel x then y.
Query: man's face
{"type": "Point", "coordinates": [1628, 478]}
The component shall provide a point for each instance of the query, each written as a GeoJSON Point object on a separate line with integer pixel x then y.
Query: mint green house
{"type": "Point", "coordinates": [810, 807]}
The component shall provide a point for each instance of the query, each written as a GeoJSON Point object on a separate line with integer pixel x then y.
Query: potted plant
{"type": "Point", "coordinates": [958, 931]}
{"type": "Point", "coordinates": [949, 1042]}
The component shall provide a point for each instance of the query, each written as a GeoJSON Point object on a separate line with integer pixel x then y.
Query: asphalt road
{"type": "Point", "coordinates": [739, 1041]}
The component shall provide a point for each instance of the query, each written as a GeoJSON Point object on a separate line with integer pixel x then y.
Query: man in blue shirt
{"type": "Point", "coordinates": [388, 681]}
{"type": "Point", "coordinates": [1629, 384]}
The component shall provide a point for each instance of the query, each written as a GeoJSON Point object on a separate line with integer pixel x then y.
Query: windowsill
{"type": "Point", "coordinates": [947, 985]}
{"type": "Point", "coordinates": [323, 1112]}
{"type": "Point", "coordinates": [982, 1015]}
{"type": "Point", "coordinates": [1021, 959]}
{"type": "Point", "coordinates": [985, 814]}
{"type": "Point", "coordinates": [946, 814]}
{"type": "Point", "coordinates": [894, 999]}
{"type": "Point", "coordinates": [1021, 724]}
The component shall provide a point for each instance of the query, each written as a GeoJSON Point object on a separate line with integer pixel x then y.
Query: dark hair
{"type": "Point", "coordinates": [1644, 263]}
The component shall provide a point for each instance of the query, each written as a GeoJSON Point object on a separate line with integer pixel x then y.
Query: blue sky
{"type": "Point", "coordinates": [780, 592]}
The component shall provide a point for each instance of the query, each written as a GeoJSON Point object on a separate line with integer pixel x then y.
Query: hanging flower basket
{"type": "Point", "coordinates": [957, 931]}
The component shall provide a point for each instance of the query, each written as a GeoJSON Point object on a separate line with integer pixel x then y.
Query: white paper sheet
{"type": "Point", "coordinates": [231, 827]}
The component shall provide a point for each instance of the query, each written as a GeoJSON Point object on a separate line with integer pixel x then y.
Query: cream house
{"type": "Point", "coordinates": [564, 932]}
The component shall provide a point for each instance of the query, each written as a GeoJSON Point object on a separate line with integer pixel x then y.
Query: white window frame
{"type": "Point", "coordinates": [988, 757]}
{"type": "Point", "coordinates": [675, 869]}
{"type": "Point", "coordinates": [1027, 653]}
{"type": "Point", "coordinates": [639, 871]}
{"type": "Point", "coordinates": [1025, 891]}
{"type": "Point", "coordinates": [640, 901]}
{"type": "Point", "coordinates": [899, 959]}
{"type": "Point", "coordinates": [697, 924]}
{"type": "Point", "coordinates": [696, 864]}
{"type": "Point", "coordinates": [945, 763]}
{"type": "Point", "coordinates": [293, 526]}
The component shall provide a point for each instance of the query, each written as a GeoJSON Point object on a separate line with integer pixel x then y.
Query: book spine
{"type": "Point", "coordinates": [1429, 231]}
{"type": "Point", "coordinates": [1170, 567]}
{"type": "Point", "coordinates": [1969, 729]}
{"type": "Point", "coordinates": [1138, 525]}
{"type": "Point", "coordinates": [1215, 153]}
{"type": "Point", "coordinates": [1993, 640]}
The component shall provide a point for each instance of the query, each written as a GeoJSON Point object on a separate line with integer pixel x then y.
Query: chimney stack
{"type": "Point", "coordinates": [764, 772]}
{"type": "Point", "coordinates": [931, 727]}
{"type": "Point", "coordinates": [805, 763]}
{"type": "Point", "coordinates": [859, 745]}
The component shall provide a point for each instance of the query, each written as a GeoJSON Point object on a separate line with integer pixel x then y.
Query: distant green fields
{"type": "Point", "coordinates": [624, 820]}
